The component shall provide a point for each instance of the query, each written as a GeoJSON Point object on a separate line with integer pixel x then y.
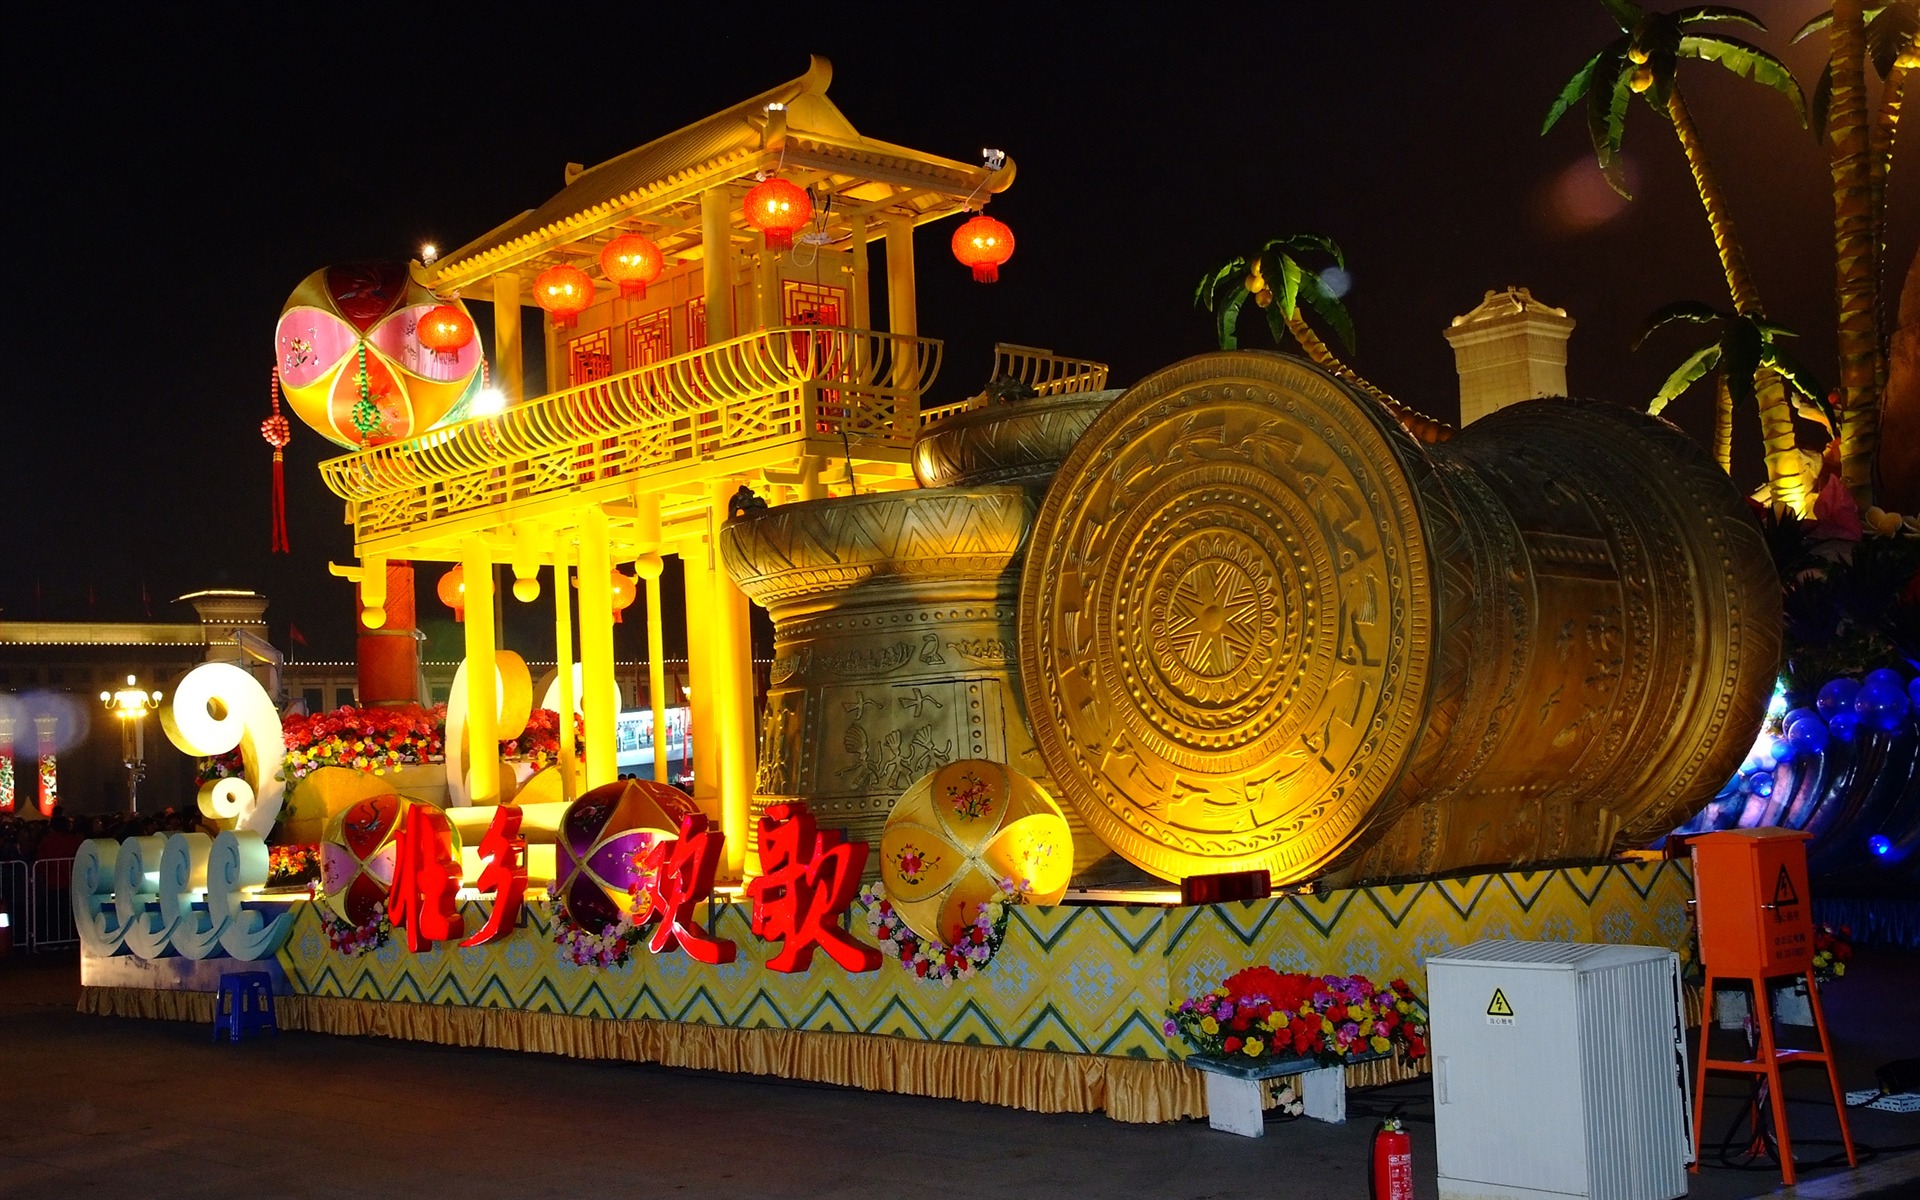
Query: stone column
{"type": "Point", "coordinates": [1510, 348]}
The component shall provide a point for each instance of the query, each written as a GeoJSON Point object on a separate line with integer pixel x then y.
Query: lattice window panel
{"type": "Point", "coordinates": [590, 357]}
{"type": "Point", "coordinates": [696, 323]}
{"type": "Point", "coordinates": [813, 303]}
{"type": "Point", "coordinates": [649, 339]}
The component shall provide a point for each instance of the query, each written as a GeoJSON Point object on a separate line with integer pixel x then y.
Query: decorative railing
{"type": "Point", "coordinates": [1047, 373]}
{"type": "Point", "coordinates": [855, 386]}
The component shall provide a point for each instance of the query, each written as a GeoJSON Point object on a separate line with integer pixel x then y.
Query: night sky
{"type": "Point", "coordinates": [173, 172]}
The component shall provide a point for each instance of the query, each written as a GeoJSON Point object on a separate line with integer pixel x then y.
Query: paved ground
{"type": "Point", "coordinates": [108, 1107]}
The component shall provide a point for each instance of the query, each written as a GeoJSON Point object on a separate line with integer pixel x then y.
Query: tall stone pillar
{"type": "Point", "coordinates": [388, 658]}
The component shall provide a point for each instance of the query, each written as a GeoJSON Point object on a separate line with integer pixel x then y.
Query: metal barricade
{"type": "Point", "coordinates": [50, 906]}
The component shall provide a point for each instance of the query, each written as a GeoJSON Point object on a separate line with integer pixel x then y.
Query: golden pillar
{"type": "Point", "coordinates": [649, 564]}
{"type": "Point", "coordinates": [506, 335]}
{"type": "Point", "coordinates": [732, 652]}
{"type": "Point", "coordinates": [483, 697]}
{"type": "Point", "coordinates": [903, 314]}
{"type": "Point", "coordinates": [716, 237]}
{"type": "Point", "coordinates": [596, 648]}
{"type": "Point", "coordinates": [563, 663]}
{"type": "Point", "coordinates": [860, 286]}
{"type": "Point", "coordinates": [702, 691]}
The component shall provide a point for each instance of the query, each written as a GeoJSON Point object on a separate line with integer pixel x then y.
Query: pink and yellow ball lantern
{"type": "Point", "coordinates": [357, 856]}
{"type": "Point", "coordinates": [604, 837]}
{"type": "Point", "coordinates": [367, 356]}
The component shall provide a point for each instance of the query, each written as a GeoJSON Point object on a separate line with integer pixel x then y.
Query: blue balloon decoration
{"type": "Point", "coordinates": [1796, 716]}
{"type": "Point", "coordinates": [1809, 736]}
{"type": "Point", "coordinates": [1885, 679]}
{"type": "Point", "coordinates": [1781, 750]}
{"type": "Point", "coordinates": [1880, 845]}
{"type": "Point", "coordinates": [1913, 692]}
{"type": "Point", "coordinates": [1760, 783]}
{"type": "Point", "coordinates": [1843, 724]}
{"type": "Point", "coordinates": [1837, 696]}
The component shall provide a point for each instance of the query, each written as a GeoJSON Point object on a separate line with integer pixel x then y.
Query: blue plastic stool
{"type": "Point", "coordinates": [244, 1004]}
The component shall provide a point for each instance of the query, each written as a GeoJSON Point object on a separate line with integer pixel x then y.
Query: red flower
{"type": "Point", "coordinates": [1240, 1023]}
{"type": "Point", "coordinates": [1230, 1045]}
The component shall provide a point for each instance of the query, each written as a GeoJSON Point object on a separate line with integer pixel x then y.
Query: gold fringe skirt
{"type": "Point", "coordinates": [1135, 1090]}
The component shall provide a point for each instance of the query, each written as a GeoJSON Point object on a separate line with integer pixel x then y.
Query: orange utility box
{"type": "Point", "coordinates": [1756, 917]}
{"type": "Point", "coordinates": [1756, 925]}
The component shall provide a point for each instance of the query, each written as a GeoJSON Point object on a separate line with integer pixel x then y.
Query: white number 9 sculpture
{"type": "Point", "coordinates": [215, 708]}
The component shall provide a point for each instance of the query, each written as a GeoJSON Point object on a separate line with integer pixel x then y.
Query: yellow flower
{"type": "Point", "coordinates": [1381, 1045]}
{"type": "Point", "coordinates": [1253, 1047]}
{"type": "Point", "coordinates": [1209, 1025]}
{"type": "Point", "coordinates": [1839, 968]}
{"type": "Point", "coordinates": [1272, 1021]}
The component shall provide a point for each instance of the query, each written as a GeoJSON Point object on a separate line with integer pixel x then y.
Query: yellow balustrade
{"type": "Point", "coordinates": [1047, 373]}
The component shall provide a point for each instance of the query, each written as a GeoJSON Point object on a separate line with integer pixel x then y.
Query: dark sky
{"type": "Point", "coordinates": [173, 171]}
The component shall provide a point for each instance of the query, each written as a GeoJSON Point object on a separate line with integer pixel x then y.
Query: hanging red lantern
{"type": "Point", "coordinates": [565, 292]}
{"type": "Point", "coordinates": [623, 594]}
{"type": "Point", "coordinates": [779, 210]}
{"type": "Point", "coordinates": [453, 591]}
{"type": "Point", "coordinates": [631, 262]}
{"type": "Point", "coordinates": [445, 330]}
{"type": "Point", "coordinates": [983, 244]}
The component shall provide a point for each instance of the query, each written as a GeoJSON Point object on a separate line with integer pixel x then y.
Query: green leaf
{"type": "Point", "coordinates": [1329, 307]}
{"type": "Point", "coordinates": [1301, 243]}
{"type": "Point", "coordinates": [1230, 319]}
{"type": "Point", "coordinates": [1572, 93]}
{"type": "Point", "coordinates": [1890, 31]}
{"type": "Point", "coordinates": [1607, 118]}
{"type": "Point", "coordinates": [1276, 325]}
{"type": "Point", "coordinates": [1287, 300]}
{"type": "Point", "coordinates": [1797, 376]}
{"type": "Point", "coordinates": [1680, 310]}
{"type": "Point", "coordinates": [1716, 12]}
{"type": "Point", "coordinates": [1822, 103]}
{"type": "Point", "coordinates": [1624, 12]}
{"type": "Point", "coordinates": [1685, 376]}
{"type": "Point", "coordinates": [1818, 23]}
{"type": "Point", "coordinates": [1749, 62]}
{"type": "Point", "coordinates": [1209, 288]}
{"type": "Point", "coordinates": [1742, 347]}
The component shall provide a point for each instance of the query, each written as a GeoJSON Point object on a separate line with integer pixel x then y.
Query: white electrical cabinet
{"type": "Point", "coordinates": [1559, 1071]}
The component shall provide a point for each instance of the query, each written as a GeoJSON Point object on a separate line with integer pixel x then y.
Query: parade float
{"type": "Point", "coordinates": [1048, 662]}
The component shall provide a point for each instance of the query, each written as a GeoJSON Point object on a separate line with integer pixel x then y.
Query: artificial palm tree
{"type": "Point", "coordinates": [1643, 61]}
{"type": "Point", "coordinates": [1861, 157]}
{"type": "Point", "coordinates": [1225, 291]}
{"type": "Point", "coordinates": [1744, 346]}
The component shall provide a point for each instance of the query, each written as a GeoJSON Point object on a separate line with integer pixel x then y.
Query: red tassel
{"type": "Point", "coordinates": [280, 545]}
{"type": "Point", "coordinates": [278, 433]}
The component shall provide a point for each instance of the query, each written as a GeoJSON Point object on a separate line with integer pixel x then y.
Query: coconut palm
{"type": "Point", "coordinates": [1862, 148]}
{"type": "Point", "coordinates": [1744, 346]}
{"type": "Point", "coordinates": [1225, 291]}
{"type": "Point", "coordinates": [1643, 61]}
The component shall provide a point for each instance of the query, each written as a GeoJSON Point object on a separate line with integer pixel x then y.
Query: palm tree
{"type": "Point", "coordinates": [1643, 60]}
{"type": "Point", "coordinates": [1745, 346]}
{"type": "Point", "coordinates": [1226, 290]}
{"type": "Point", "coordinates": [1862, 153]}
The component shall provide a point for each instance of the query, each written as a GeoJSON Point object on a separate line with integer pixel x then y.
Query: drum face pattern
{"type": "Point", "coordinates": [1260, 627]}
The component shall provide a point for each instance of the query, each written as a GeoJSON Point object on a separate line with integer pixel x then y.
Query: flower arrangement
{"type": "Point", "coordinates": [220, 766]}
{"type": "Point", "coordinates": [609, 946]}
{"type": "Point", "coordinates": [1832, 950]}
{"type": "Point", "coordinates": [539, 742]}
{"type": "Point", "coordinates": [973, 949]}
{"type": "Point", "coordinates": [287, 865]}
{"type": "Point", "coordinates": [1261, 1014]}
{"type": "Point", "coordinates": [366, 739]}
{"type": "Point", "coordinates": [343, 936]}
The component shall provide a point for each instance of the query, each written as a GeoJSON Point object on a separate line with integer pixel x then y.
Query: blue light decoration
{"type": "Point", "coordinates": [1845, 769]}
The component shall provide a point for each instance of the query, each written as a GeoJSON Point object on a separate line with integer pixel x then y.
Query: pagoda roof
{"type": "Point", "coordinates": [793, 128]}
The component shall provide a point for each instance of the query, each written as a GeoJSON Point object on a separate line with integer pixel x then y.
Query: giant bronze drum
{"type": "Point", "coordinates": [1261, 627]}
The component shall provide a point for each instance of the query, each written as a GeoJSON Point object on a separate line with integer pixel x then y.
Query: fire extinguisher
{"type": "Point", "coordinates": [1392, 1177]}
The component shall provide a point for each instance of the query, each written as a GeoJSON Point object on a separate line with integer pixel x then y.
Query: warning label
{"type": "Point", "coordinates": [1499, 1012]}
{"type": "Point", "coordinates": [1784, 895]}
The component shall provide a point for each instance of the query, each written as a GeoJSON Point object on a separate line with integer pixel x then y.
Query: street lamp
{"type": "Point", "coordinates": [132, 705]}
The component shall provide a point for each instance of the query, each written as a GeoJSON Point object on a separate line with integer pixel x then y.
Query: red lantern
{"type": "Point", "coordinates": [445, 330]}
{"type": "Point", "coordinates": [623, 594]}
{"type": "Point", "coordinates": [453, 591]}
{"type": "Point", "coordinates": [565, 292]}
{"type": "Point", "coordinates": [631, 261]}
{"type": "Point", "coordinates": [983, 244]}
{"type": "Point", "coordinates": [779, 210]}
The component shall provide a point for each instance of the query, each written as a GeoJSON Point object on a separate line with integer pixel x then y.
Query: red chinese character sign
{"type": "Point", "coordinates": [810, 879]}
{"type": "Point", "coordinates": [505, 875]}
{"type": "Point", "coordinates": [424, 900]}
{"type": "Point", "coordinates": [680, 878]}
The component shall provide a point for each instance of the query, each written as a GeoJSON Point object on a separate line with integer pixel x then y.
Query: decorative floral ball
{"type": "Point", "coordinates": [351, 360]}
{"type": "Point", "coordinates": [357, 856]}
{"type": "Point", "coordinates": [957, 832]}
{"type": "Point", "coordinates": [605, 835]}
